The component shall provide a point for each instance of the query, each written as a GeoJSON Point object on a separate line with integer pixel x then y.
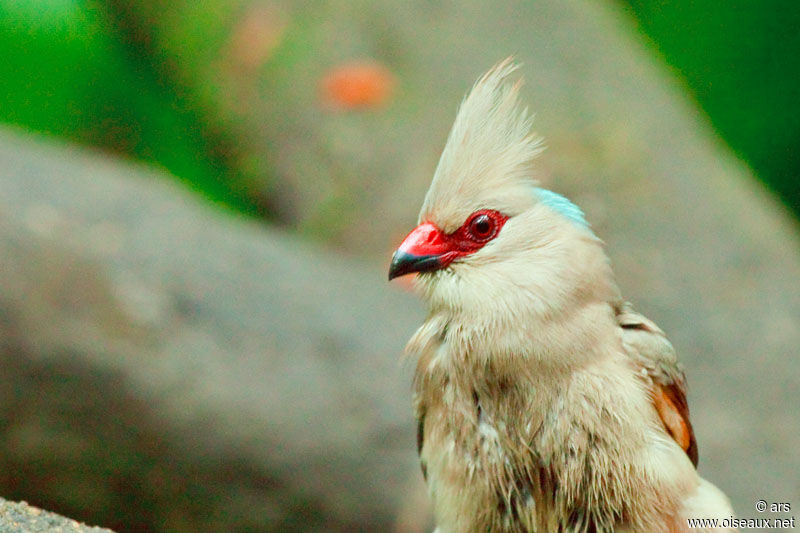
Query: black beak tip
{"type": "Point", "coordinates": [404, 263]}
{"type": "Point", "coordinates": [397, 266]}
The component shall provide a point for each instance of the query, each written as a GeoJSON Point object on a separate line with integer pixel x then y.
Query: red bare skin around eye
{"type": "Point", "coordinates": [466, 238]}
{"type": "Point", "coordinates": [428, 240]}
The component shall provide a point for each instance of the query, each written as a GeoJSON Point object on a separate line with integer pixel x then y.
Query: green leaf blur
{"type": "Point", "coordinates": [65, 72]}
{"type": "Point", "coordinates": [740, 60]}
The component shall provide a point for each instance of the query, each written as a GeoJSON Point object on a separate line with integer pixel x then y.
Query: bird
{"type": "Point", "coordinates": [544, 401]}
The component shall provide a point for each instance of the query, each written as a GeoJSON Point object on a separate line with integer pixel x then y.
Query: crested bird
{"type": "Point", "coordinates": [544, 402]}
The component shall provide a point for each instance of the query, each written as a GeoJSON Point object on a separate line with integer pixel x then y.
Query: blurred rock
{"type": "Point", "coordinates": [16, 517]}
{"type": "Point", "coordinates": [170, 367]}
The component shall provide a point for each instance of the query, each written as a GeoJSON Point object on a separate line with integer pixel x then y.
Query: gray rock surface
{"type": "Point", "coordinates": [23, 518]}
{"type": "Point", "coordinates": [170, 366]}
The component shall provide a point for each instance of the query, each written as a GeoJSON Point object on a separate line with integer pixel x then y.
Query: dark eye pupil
{"type": "Point", "coordinates": [482, 226]}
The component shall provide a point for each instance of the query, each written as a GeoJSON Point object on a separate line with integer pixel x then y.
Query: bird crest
{"type": "Point", "coordinates": [486, 162]}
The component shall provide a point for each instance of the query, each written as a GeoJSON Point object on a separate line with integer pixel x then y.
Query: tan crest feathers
{"type": "Point", "coordinates": [487, 159]}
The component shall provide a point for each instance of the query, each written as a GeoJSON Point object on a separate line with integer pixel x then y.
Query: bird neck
{"type": "Point", "coordinates": [552, 345]}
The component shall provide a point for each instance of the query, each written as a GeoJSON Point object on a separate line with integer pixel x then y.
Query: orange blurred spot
{"type": "Point", "coordinates": [405, 282]}
{"type": "Point", "coordinates": [358, 84]}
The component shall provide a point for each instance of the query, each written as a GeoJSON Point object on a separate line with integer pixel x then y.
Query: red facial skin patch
{"type": "Point", "coordinates": [428, 248]}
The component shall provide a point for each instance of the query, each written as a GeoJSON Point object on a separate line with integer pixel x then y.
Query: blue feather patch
{"type": "Point", "coordinates": [561, 205]}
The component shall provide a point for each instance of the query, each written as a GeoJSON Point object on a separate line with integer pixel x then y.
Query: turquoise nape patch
{"type": "Point", "coordinates": [563, 206]}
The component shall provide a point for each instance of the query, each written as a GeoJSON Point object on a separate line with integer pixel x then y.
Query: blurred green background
{"type": "Point", "coordinates": [740, 61]}
{"type": "Point", "coordinates": [71, 69]}
{"type": "Point", "coordinates": [92, 72]}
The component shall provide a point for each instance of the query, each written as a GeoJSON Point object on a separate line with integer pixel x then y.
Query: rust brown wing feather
{"type": "Point", "coordinates": [670, 402]}
{"type": "Point", "coordinates": [649, 348]}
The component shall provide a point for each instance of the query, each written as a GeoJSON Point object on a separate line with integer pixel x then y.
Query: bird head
{"type": "Point", "coordinates": [490, 242]}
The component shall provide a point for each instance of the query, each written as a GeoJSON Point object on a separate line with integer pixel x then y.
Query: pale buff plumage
{"type": "Point", "coordinates": [535, 381]}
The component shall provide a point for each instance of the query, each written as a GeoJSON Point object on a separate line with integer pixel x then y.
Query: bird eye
{"type": "Point", "coordinates": [481, 227]}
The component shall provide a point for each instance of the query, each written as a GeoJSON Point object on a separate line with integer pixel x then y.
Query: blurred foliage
{"type": "Point", "coordinates": [741, 60]}
{"type": "Point", "coordinates": [66, 72]}
{"type": "Point", "coordinates": [161, 81]}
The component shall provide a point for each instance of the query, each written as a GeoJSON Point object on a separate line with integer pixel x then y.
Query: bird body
{"type": "Point", "coordinates": [544, 402]}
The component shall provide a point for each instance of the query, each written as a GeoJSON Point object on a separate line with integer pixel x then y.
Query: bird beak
{"type": "Point", "coordinates": [423, 250]}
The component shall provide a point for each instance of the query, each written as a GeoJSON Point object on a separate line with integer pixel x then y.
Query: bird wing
{"type": "Point", "coordinates": [649, 348]}
{"type": "Point", "coordinates": [420, 417]}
